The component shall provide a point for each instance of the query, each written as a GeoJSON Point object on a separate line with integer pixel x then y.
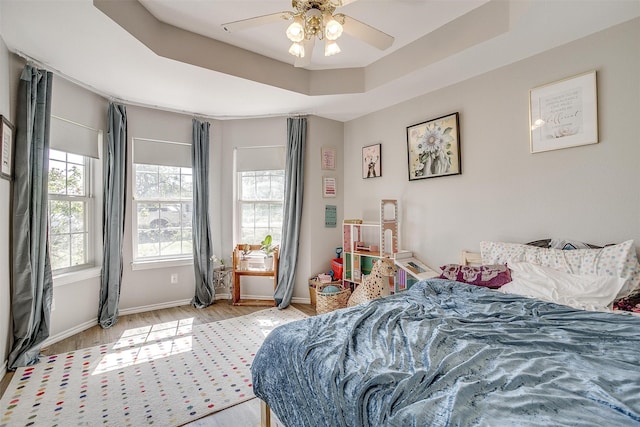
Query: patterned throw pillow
{"type": "Point", "coordinates": [615, 260]}
{"type": "Point", "coordinates": [489, 276]}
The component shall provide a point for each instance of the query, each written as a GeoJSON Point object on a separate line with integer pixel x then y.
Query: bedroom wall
{"type": "Point", "coordinates": [317, 244]}
{"type": "Point", "coordinates": [589, 193]}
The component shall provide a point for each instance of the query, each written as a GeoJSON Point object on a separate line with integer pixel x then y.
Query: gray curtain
{"type": "Point", "coordinates": [32, 281]}
{"type": "Point", "coordinates": [202, 246]}
{"type": "Point", "coordinates": [115, 179]}
{"type": "Point", "coordinates": [293, 187]}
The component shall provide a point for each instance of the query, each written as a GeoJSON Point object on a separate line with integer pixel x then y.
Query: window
{"type": "Point", "coordinates": [70, 206]}
{"type": "Point", "coordinates": [260, 198]}
{"type": "Point", "coordinates": [163, 204]}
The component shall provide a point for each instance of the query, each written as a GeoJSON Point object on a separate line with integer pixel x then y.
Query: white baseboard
{"type": "Point", "coordinates": [69, 332]}
{"type": "Point", "coordinates": [151, 307]}
{"type": "Point", "coordinates": [142, 309]}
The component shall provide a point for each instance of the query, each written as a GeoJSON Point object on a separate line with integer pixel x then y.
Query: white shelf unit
{"type": "Point", "coordinates": [365, 242]}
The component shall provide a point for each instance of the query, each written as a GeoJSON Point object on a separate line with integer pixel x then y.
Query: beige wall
{"type": "Point", "coordinates": [589, 193]}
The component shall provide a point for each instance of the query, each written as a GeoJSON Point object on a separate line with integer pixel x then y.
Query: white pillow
{"type": "Point", "coordinates": [616, 260]}
{"type": "Point", "coordinates": [585, 292]}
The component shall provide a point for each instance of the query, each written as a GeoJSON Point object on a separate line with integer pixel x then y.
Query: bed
{"type": "Point", "coordinates": [450, 353]}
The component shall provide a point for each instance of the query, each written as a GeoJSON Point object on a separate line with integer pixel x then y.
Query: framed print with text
{"type": "Point", "coordinates": [328, 158]}
{"type": "Point", "coordinates": [564, 114]}
{"type": "Point", "coordinates": [328, 186]}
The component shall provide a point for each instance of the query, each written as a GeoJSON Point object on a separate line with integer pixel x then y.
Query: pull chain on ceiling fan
{"type": "Point", "coordinates": [315, 19]}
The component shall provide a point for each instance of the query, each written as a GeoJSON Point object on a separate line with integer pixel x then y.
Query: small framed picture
{"type": "Point", "coordinates": [6, 151]}
{"type": "Point", "coordinates": [328, 158]}
{"type": "Point", "coordinates": [564, 114]}
{"type": "Point", "coordinates": [372, 161]}
{"type": "Point", "coordinates": [434, 148]}
{"type": "Point", "coordinates": [328, 186]}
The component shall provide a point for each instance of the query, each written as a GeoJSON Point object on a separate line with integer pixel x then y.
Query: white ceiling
{"type": "Point", "coordinates": [77, 40]}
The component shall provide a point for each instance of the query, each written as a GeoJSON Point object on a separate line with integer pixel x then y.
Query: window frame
{"type": "Point", "coordinates": [142, 263]}
{"type": "Point", "coordinates": [90, 220]}
{"type": "Point", "coordinates": [240, 202]}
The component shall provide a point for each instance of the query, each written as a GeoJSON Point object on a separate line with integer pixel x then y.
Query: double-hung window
{"type": "Point", "coordinates": [71, 210]}
{"type": "Point", "coordinates": [163, 200]}
{"type": "Point", "coordinates": [259, 194]}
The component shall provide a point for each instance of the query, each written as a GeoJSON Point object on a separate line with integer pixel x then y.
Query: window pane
{"type": "Point", "coordinates": [248, 187]}
{"type": "Point", "coordinates": [60, 253]}
{"type": "Point", "coordinates": [59, 217]}
{"type": "Point", "coordinates": [74, 158]}
{"type": "Point", "coordinates": [262, 215]}
{"type": "Point", "coordinates": [77, 216]}
{"type": "Point", "coordinates": [187, 187]}
{"type": "Point", "coordinates": [75, 180]}
{"type": "Point", "coordinates": [57, 177]}
{"type": "Point", "coordinates": [169, 186]}
{"type": "Point", "coordinates": [146, 184]}
{"type": "Point", "coordinates": [247, 215]}
{"type": "Point", "coordinates": [78, 249]}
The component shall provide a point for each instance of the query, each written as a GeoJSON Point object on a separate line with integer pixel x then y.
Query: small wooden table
{"type": "Point", "coordinates": [239, 273]}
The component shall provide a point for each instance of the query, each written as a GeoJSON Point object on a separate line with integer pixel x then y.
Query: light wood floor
{"type": "Point", "coordinates": [244, 414]}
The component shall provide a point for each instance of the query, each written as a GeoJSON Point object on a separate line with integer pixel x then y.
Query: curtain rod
{"type": "Point", "coordinates": [112, 98]}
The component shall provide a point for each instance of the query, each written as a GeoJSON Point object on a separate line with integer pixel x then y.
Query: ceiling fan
{"type": "Point", "coordinates": [313, 19]}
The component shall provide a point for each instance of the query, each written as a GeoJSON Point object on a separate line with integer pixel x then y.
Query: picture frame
{"type": "Point", "coordinates": [564, 114]}
{"type": "Point", "coordinates": [328, 158]}
{"type": "Point", "coordinates": [329, 186]}
{"type": "Point", "coordinates": [433, 148]}
{"type": "Point", "coordinates": [6, 148]}
{"type": "Point", "coordinates": [372, 161]}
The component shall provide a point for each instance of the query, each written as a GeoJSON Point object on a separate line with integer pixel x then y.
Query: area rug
{"type": "Point", "coordinates": [161, 375]}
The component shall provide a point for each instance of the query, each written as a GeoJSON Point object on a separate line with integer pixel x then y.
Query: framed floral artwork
{"type": "Point", "coordinates": [372, 161]}
{"type": "Point", "coordinates": [434, 148]}
{"type": "Point", "coordinates": [564, 114]}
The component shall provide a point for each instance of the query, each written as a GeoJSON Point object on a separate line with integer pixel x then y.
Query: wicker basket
{"type": "Point", "coordinates": [327, 303]}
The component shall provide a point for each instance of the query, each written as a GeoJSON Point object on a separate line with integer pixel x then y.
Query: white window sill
{"type": "Point", "coordinates": [161, 263]}
{"type": "Point", "coordinates": [76, 276]}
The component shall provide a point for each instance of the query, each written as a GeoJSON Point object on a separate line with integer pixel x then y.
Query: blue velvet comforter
{"type": "Point", "coordinates": [445, 353]}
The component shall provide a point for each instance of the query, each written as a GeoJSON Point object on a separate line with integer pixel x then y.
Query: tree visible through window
{"type": "Point", "coordinates": [163, 203]}
{"type": "Point", "coordinates": [260, 202]}
{"type": "Point", "coordinates": [69, 204]}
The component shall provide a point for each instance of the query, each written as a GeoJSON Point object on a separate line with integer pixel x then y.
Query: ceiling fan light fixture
{"type": "Point", "coordinates": [332, 28]}
{"type": "Point", "coordinates": [295, 31]}
{"type": "Point", "coordinates": [331, 48]}
{"type": "Point", "coordinates": [297, 49]}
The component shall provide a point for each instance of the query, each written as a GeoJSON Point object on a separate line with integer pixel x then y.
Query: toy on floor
{"type": "Point", "coordinates": [374, 285]}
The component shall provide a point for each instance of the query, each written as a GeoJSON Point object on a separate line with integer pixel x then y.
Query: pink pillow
{"type": "Point", "coordinates": [489, 276]}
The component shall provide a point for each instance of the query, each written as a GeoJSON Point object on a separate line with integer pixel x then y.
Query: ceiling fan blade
{"type": "Point", "coordinates": [243, 24]}
{"type": "Point", "coordinates": [367, 33]}
{"type": "Point", "coordinates": [339, 3]}
{"type": "Point", "coordinates": [308, 53]}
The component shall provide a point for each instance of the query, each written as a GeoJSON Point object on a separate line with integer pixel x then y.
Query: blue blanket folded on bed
{"type": "Point", "coordinates": [445, 353]}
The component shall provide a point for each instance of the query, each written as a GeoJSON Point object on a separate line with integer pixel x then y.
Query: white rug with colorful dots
{"type": "Point", "coordinates": [162, 375]}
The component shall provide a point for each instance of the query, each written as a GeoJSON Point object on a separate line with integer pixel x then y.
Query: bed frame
{"type": "Point", "coordinates": [466, 258]}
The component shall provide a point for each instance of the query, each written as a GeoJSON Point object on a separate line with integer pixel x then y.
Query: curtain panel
{"type": "Point", "coordinates": [293, 189]}
{"type": "Point", "coordinates": [32, 281]}
{"type": "Point", "coordinates": [115, 184]}
{"type": "Point", "coordinates": [202, 245]}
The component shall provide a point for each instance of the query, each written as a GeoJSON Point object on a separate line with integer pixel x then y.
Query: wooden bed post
{"type": "Point", "coordinates": [265, 414]}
